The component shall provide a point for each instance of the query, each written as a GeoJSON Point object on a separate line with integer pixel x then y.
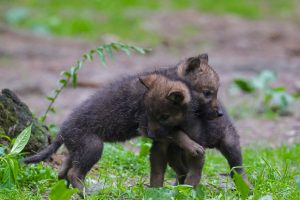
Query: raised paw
{"type": "Point", "coordinates": [196, 150]}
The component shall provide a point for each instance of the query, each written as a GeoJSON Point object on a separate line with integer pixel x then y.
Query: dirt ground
{"type": "Point", "coordinates": [30, 64]}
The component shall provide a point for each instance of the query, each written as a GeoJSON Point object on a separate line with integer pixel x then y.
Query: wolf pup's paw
{"type": "Point", "coordinates": [196, 150]}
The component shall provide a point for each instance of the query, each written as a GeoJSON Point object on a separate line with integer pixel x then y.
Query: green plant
{"type": "Point", "coordinates": [71, 74]}
{"type": "Point", "coordinates": [60, 191]}
{"type": "Point", "coordinates": [9, 165]}
{"type": "Point", "coordinates": [241, 185]}
{"type": "Point", "coordinates": [273, 172]}
{"type": "Point", "coordinates": [273, 99]}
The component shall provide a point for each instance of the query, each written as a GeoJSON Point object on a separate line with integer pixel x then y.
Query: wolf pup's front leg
{"type": "Point", "coordinates": [158, 163]}
{"type": "Point", "coordinates": [159, 158]}
{"type": "Point", "coordinates": [186, 143]}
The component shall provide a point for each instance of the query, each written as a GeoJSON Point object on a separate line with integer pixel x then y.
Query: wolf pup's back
{"type": "Point", "coordinates": [113, 113]}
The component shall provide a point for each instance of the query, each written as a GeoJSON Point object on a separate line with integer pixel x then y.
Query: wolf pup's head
{"type": "Point", "coordinates": [204, 82]}
{"type": "Point", "coordinates": [166, 103]}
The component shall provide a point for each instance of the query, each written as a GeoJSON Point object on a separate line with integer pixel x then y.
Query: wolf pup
{"type": "Point", "coordinates": [217, 132]}
{"type": "Point", "coordinates": [165, 116]}
{"type": "Point", "coordinates": [112, 114]}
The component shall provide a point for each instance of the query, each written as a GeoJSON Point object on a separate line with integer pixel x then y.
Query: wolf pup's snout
{"type": "Point", "coordinates": [219, 113]}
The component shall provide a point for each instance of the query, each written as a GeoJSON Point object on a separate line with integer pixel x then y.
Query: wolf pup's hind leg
{"type": "Point", "coordinates": [87, 153]}
{"type": "Point", "coordinates": [230, 148]}
{"type": "Point", "coordinates": [66, 165]}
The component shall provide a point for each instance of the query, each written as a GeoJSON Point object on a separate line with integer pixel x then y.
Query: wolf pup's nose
{"type": "Point", "coordinates": [220, 113]}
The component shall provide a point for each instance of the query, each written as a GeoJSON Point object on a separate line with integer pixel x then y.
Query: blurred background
{"type": "Point", "coordinates": [254, 45]}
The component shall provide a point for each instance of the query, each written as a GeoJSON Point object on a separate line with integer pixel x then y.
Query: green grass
{"type": "Point", "coordinates": [123, 175]}
{"type": "Point", "coordinates": [123, 19]}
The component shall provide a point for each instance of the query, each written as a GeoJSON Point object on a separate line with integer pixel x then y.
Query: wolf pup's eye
{"type": "Point", "coordinates": [207, 93]}
{"type": "Point", "coordinates": [164, 117]}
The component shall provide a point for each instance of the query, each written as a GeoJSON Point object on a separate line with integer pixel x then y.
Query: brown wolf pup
{"type": "Point", "coordinates": [166, 115]}
{"type": "Point", "coordinates": [217, 132]}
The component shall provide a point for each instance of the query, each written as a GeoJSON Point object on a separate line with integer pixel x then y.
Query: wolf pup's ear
{"type": "Point", "coordinates": [193, 63]}
{"type": "Point", "coordinates": [148, 80]}
{"type": "Point", "coordinates": [176, 97]}
{"type": "Point", "coordinates": [204, 58]}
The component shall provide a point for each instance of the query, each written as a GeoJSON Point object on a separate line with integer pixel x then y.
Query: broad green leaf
{"type": "Point", "coordinates": [21, 141]}
{"type": "Point", "coordinates": [8, 177]}
{"type": "Point", "coordinates": [244, 85]}
{"type": "Point", "coordinates": [60, 191]}
{"type": "Point", "coordinates": [241, 185]}
{"type": "Point", "coordinates": [14, 167]}
{"type": "Point", "coordinates": [10, 172]}
{"type": "Point", "coordinates": [185, 192]}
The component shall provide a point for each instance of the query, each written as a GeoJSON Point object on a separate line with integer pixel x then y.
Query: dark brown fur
{"type": "Point", "coordinates": [166, 104]}
{"type": "Point", "coordinates": [112, 114]}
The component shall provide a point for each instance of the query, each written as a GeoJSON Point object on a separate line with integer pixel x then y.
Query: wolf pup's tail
{"type": "Point", "coordinates": [45, 153]}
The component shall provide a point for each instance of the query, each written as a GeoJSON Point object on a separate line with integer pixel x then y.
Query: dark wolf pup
{"type": "Point", "coordinates": [213, 133]}
{"type": "Point", "coordinates": [113, 114]}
